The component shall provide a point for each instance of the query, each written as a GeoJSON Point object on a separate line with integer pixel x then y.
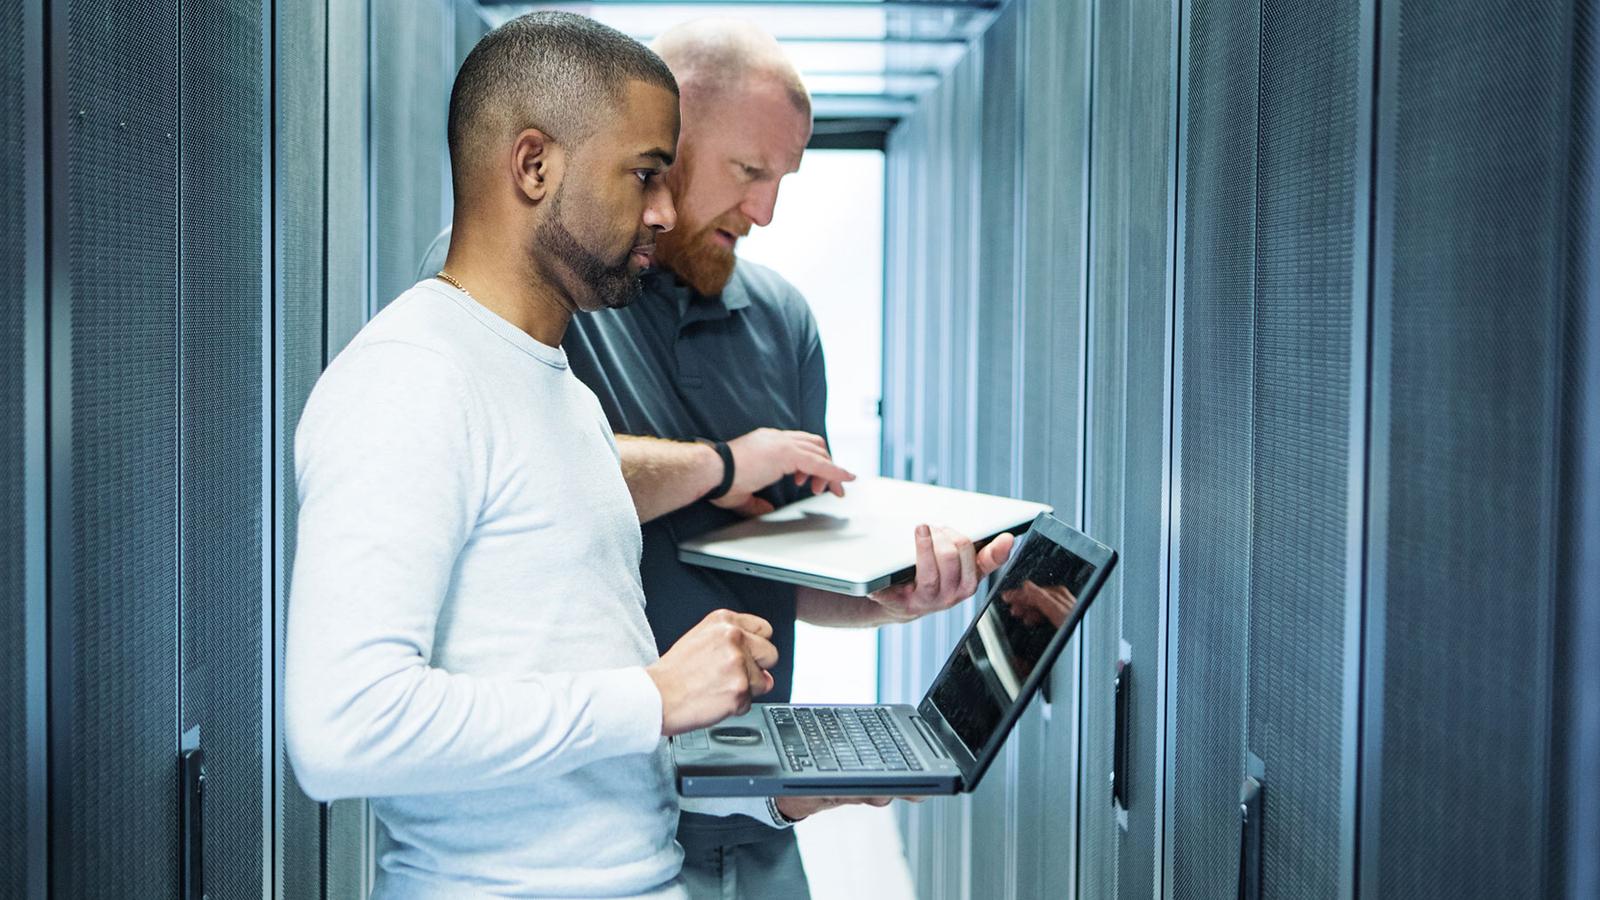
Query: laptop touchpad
{"type": "Point", "coordinates": [737, 735]}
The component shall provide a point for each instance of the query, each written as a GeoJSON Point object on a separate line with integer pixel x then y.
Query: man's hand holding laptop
{"type": "Point", "coordinates": [949, 568]}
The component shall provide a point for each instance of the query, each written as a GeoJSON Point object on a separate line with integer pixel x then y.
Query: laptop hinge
{"type": "Point", "coordinates": [931, 737]}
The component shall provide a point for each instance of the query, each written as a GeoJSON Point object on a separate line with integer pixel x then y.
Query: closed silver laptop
{"type": "Point", "coordinates": [857, 543]}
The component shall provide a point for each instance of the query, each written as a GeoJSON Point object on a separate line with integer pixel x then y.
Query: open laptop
{"type": "Point", "coordinates": [857, 543]}
{"type": "Point", "coordinates": [944, 744]}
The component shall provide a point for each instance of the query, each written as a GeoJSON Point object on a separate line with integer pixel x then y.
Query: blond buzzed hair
{"type": "Point", "coordinates": [709, 56]}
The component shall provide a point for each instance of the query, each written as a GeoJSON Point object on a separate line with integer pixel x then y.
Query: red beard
{"type": "Point", "coordinates": [699, 258]}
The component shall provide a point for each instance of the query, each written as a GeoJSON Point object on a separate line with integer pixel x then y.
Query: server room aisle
{"type": "Point", "coordinates": [1295, 303]}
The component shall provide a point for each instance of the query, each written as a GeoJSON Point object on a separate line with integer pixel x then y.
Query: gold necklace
{"type": "Point", "coordinates": [449, 279]}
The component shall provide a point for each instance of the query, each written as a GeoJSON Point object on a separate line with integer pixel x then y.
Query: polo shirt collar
{"type": "Point", "coordinates": [694, 306]}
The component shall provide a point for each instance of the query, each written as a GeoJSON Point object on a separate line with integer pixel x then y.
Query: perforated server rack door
{"type": "Point", "coordinates": [299, 209]}
{"type": "Point", "coordinates": [1478, 164]}
{"type": "Point", "coordinates": [114, 423]}
{"type": "Point", "coordinates": [221, 460]}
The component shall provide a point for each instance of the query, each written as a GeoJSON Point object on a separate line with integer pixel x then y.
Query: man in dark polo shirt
{"type": "Point", "coordinates": [719, 362]}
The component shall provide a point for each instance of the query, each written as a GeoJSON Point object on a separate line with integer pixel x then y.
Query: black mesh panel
{"type": "Point", "coordinates": [114, 715]}
{"type": "Point", "coordinates": [301, 120]}
{"type": "Point", "coordinates": [1469, 297]}
{"type": "Point", "coordinates": [13, 656]}
{"type": "Point", "coordinates": [1211, 592]}
{"type": "Point", "coordinates": [221, 294]}
{"type": "Point", "coordinates": [1307, 158]}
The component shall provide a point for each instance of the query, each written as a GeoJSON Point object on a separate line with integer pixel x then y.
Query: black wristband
{"type": "Point", "coordinates": [727, 467]}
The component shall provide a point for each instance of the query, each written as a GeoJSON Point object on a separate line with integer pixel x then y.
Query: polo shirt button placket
{"type": "Point", "coordinates": [689, 362]}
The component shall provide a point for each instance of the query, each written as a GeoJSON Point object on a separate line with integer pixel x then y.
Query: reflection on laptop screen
{"type": "Point", "coordinates": [1035, 599]}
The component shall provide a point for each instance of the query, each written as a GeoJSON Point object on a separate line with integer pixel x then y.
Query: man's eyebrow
{"type": "Point", "coordinates": [659, 155]}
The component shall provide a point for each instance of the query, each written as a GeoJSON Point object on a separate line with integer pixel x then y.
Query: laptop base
{"type": "Point", "coordinates": [749, 756]}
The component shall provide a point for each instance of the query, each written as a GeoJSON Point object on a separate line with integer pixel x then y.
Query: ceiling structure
{"type": "Point", "coordinates": [864, 61]}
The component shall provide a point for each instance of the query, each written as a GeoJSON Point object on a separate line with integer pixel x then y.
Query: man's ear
{"type": "Point", "coordinates": [536, 164]}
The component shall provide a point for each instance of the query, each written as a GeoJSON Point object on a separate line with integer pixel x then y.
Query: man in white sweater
{"type": "Point", "coordinates": [467, 644]}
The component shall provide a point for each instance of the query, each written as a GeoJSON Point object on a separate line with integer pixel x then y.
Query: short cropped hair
{"type": "Point", "coordinates": [712, 55]}
{"type": "Point", "coordinates": [555, 71]}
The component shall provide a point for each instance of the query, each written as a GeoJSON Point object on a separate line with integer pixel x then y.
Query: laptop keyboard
{"type": "Point", "coordinates": [842, 739]}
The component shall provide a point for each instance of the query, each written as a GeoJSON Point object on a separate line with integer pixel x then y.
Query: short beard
{"type": "Point", "coordinates": [606, 286]}
{"type": "Point", "coordinates": [697, 259]}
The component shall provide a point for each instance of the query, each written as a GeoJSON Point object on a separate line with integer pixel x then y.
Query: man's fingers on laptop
{"type": "Point", "coordinates": [823, 472]}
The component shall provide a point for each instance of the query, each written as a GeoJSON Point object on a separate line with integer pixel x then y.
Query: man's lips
{"type": "Point", "coordinates": [725, 237]}
{"type": "Point", "coordinates": [646, 254]}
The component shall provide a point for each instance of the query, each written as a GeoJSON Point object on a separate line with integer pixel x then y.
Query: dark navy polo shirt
{"type": "Point", "coordinates": [678, 365]}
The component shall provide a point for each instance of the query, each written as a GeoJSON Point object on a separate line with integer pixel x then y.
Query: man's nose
{"type": "Point", "coordinates": [759, 203]}
{"type": "Point", "coordinates": [659, 213]}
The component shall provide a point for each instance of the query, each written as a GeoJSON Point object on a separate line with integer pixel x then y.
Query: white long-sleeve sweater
{"type": "Point", "coordinates": [466, 635]}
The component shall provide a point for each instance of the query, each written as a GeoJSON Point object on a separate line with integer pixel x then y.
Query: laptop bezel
{"type": "Point", "coordinates": [1044, 527]}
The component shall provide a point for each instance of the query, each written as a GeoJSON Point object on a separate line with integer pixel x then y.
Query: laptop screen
{"type": "Point", "coordinates": [1036, 597]}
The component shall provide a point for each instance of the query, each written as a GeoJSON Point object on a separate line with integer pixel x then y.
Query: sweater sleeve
{"type": "Point", "coordinates": [391, 460]}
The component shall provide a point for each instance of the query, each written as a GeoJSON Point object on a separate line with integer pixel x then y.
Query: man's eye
{"type": "Point", "coordinates": [644, 175]}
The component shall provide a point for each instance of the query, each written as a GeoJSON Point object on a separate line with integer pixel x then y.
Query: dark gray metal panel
{"type": "Point", "coordinates": [1213, 446]}
{"type": "Point", "coordinates": [114, 417]}
{"type": "Point", "coordinates": [301, 51]}
{"type": "Point", "coordinates": [1055, 197]}
{"type": "Point", "coordinates": [1151, 206]}
{"type": "Point", "coordinates": [1105, 439]}
{"type": "Point", "coordinates": [1474, 135]}
{"type": "Point", "coordinates": [1308, 156]}
{"type": "Point", "coordinates": [1581, 475]}
{"type": "Point", "coordinates": [349, 855]}
{"type": "Point", "coordinates": [17, 226]}
{"type": "Point", "coordinates": [220, 464]}
{"type": "Point", "coordinates": [1127, 433]}
{"type": "Point", "coordinates": [32, 870]}
{"type": "Point", "coordinates": [413, 65]}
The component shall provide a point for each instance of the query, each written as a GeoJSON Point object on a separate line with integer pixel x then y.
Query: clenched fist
{"type": "Point", "coordinates": [713, 672]}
